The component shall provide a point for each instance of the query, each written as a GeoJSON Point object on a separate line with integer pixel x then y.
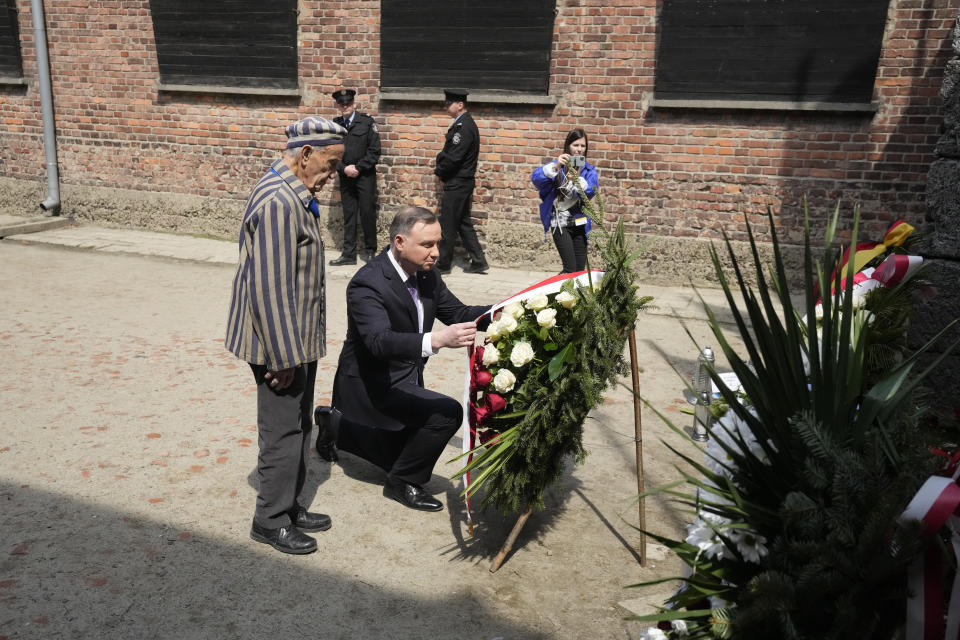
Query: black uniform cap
{"type": "Point", "coordinates": [344, 96]}
{"type": "Point", "coordinates": [455, 95]}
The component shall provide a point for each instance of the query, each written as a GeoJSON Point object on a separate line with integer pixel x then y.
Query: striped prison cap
{"type": "Point", "coordinates": [315, 131]}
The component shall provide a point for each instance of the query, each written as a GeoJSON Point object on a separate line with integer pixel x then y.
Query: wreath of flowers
{"type": "Point", "coordinates": [544, 365]}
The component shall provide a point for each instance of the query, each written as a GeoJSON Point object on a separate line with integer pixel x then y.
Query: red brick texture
{"type": "Point", "coordinates": [680, 173]}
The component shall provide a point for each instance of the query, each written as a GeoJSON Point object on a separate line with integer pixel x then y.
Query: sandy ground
{"type": "Point", "coordinates": [127, 459]}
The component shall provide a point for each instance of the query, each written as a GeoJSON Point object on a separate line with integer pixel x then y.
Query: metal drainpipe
{"type": "Point", "coordinates": [52, 203]}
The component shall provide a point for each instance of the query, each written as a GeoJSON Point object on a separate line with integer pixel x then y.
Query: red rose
{"type": "Point", "coordinates": [488, 436]}
{"type": "Point", "coordinates": [480, 379]}
{"type": "Point", "coordinates": [494, 402]}
{"type": "Point", "coordinates": [479, 415]}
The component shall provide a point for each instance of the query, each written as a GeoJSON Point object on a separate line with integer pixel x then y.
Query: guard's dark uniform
{"type": "Point", "coordinates": [456, 166]}
{"type": "Point", "coordinates": [359, 195]}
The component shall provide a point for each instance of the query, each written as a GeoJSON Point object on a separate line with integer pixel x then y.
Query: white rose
{"type": "Point", "coordinates": [507, 324]}
{"type": "Point", "coordinates": [490, 355]}
{"type": "Point", "coordinates": [652, 633]}
{"type": "Point", "coordinates": [680, 626]}
{"type": "Point", "coordinates": [493, 331]}
{"type": "Point", "coordinates": [540, 302]}
{"type": "Point", "coordinates": [547, 318]}
{"type": "Point", "coordinates": [504, 380]}
{"type": "Point", "coordinates": [566, 299]}
{"type": "Point", "coordinates": [521, 354]}
{"type": "Point", "coordinates": [513, 310]}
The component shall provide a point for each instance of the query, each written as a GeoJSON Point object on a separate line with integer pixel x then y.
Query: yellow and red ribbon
{"type": "Point", "coordinates": [864, 252]}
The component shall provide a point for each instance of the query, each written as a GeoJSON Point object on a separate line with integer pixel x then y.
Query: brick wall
{"type": "Point", "coordinates": [683, 174]}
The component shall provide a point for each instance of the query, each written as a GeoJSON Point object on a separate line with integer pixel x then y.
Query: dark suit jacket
{"type": "Point", "coordinates": [382, 352]}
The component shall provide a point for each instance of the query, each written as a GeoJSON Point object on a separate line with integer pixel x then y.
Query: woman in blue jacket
{"type": "Point", "coordinates": [560, 200]}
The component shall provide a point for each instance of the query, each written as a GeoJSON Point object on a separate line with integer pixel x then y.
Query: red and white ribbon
{"type": "Point", "coordinates": [935, 505]}
{"type": "Point", "coordinates": [546, 287]}
{"type": "Point", "coordinates": [549, 286]}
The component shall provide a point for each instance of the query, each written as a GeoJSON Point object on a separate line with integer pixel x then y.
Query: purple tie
{"type": "Point", "coordinates": [412, 288]}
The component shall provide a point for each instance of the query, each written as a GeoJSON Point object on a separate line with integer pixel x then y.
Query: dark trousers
{"type": "Point", "coordinates": [359, 198]}
{"type": "Point", "coordinates": [572, 246]}
{"type": "Point", "coordinates": [283, 434]}
{"type": "Point", "coordinates": [430, 419]}
{"type": "Point", "coordinates": [455, 220]}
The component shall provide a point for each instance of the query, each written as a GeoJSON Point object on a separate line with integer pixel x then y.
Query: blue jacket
{"type": "Point", "coordinates": [547, 187]}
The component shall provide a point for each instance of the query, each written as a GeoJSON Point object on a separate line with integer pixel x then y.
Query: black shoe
{"type": "Point", "coordinates": [367, 256]}
{"type": "Point", "coordinates": [285, 539]}
{"type": "Point", "coordinates": [326, 437]}
{"type": "Point", "coordinates": [343, 260]}
{"type": "Point", "coordinates": [411, 495]}
{"type": "Point", "coordinates": [476, 268]}
{"type": "Point", "coordinates": [309, 521]}
{"type": "Point", "coordinates": [443, 271]}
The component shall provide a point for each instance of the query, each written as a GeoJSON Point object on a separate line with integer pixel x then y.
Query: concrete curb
{"type": "Point", "coordinates": [11, 225]}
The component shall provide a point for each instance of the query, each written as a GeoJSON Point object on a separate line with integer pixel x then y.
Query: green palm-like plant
{"type": "Point", "coordinates": [839, 451]}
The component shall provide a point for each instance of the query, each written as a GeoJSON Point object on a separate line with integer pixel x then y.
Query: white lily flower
{"type": "Point", "coordinates": [680, 626]}
{"type": "Point", "coordinates": [750, 544]}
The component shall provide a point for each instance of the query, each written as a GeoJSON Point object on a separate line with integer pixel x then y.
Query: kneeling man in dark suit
{"type": "Point", "coordinates": [381, 411]}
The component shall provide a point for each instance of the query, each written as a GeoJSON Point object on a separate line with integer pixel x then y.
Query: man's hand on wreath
{"type": "Point", "coordinates": [455, 336]}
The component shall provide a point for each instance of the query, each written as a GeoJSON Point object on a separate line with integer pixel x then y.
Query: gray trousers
{"type": "Point", "coordinates": [284, 422]}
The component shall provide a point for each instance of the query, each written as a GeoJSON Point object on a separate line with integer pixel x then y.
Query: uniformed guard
{"type": "Point", "coordinates": [455, 169]}
{"type": "Point", "coordinates": [358, 178]}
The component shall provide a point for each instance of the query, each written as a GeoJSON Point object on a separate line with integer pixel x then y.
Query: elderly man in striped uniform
{"type": "Point", "coordinates": [277, 324]}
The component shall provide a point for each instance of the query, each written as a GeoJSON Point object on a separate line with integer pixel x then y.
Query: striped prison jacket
{"type": "Point", "coordinates": [277, 308]}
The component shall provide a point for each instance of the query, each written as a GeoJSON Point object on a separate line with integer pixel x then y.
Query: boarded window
{"type": "Point", "coordinates": [814, 50]}
{"type": "Point", "coordinates": [234, 43]}
{"type": "Point", "coordinates": [499, 44]}
{"type": "Point", "coordinates": [10, 63]}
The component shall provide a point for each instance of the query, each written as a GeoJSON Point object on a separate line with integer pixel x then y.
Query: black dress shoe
{"type": "Point", "coordinates": [443, 271]}
{"type": "Point", "coordinates": [309, 521]}
{"type": "Point", "coordinates": [476, 268]}
{"type": "Point", "coordinates": [326, 438]}
{"type": "Point", "coordinates": [285, 539]}
{"type": "Point", "coordinates": [367, 256]}
{"type": "Point", "coordinates": [343, 260]}
{"type": "Point", "coordinates": [411, 495]}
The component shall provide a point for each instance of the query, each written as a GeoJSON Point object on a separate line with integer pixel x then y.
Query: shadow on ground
{"type": "Point", "coordinates": [72, 569]}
